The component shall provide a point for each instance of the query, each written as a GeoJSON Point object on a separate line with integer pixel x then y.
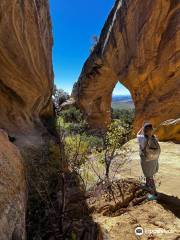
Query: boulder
{"type": "Point", "coordinates": [67, 104]}
{"type": "Point", "coordinates": [169, 130]}
{"type": "Point", "coordinates": [12, 191]}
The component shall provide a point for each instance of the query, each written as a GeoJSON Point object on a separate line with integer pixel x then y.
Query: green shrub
{"type": "Point", "coordinates": [72, 121]}
{"type": "Point", "coordinates": [126, 118]}
{"type": "Point", "coordinates": [76, 151]}
{"type": "Point", "coordinates": [93, 141]}
{"type": "Point", "coordinates": [115, 136]}
{"type": "Point", "coordinates": [72, 115]}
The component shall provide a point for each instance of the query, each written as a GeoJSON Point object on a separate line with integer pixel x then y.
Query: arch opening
{"type": "Point", "coordinates": [121, 98]}
{"type": "Point", "coordinates": [122, 106]}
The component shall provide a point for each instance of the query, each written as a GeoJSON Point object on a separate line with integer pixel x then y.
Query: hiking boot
{"type": "Point", "coordinates": [151, 197]}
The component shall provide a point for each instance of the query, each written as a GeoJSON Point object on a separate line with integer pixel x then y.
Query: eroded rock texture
{"type": "Point", "coordinates": [169, 130]}
{"type": "Point", "coordinates": [138, 46]}
{"type": "Point", "coordinates": [26, 82]}
{"type": "Point", "coordinates": [12, 191]}
{"type": "Point", "coordinates": [25, 64]}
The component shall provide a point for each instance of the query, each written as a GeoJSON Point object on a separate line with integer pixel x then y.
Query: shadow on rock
{"type": "Point", "coordinates": [170, 203]}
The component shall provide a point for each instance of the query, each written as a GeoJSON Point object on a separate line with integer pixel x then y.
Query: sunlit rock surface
{"type": "Point", "coordinates": [12, 191]}
{"type": "Point", "coordinates": [26, 82]}
{"type": "Point", "coordinates": [25, 64]}
{"type": "Point", "coordinates": [169, 130]}
{"type": "Point", "coordinates": [138, 46]}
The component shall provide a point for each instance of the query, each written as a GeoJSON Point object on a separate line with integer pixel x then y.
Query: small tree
{"type": "Point", "coordinates": [72, 126]}
{"type": "Point", "coordinates": [114, 139]}
{"type": "Point", "coordinates": [126, 116]}
{"type": "Point", "coordinates": [76, 150]}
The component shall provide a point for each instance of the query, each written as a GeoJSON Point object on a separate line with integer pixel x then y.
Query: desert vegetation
{"type": "Point", "coordinates": [80, 173]}
{"type": "Point", "coordinates": [60, 177]}
{"type": "Point", "coordinates": [82, 147]}
{"type": "Point", "coordinates": [91, 159]}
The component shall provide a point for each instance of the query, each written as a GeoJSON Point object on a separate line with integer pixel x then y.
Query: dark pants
{"type": "Point", "coordinates": [151, 184]}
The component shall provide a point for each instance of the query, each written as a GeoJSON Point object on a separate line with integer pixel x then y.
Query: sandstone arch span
{"type": "Point", "coordinates": [138, 46]}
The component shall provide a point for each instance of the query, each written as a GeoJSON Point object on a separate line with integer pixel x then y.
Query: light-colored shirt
{"type": "Point", "coordinates": [141, 140]}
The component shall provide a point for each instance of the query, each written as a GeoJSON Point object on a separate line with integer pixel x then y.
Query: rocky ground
{"type": "Point", "coordinates": [122, 207]}
{"type": "Point", "coordinates": [156, 221]}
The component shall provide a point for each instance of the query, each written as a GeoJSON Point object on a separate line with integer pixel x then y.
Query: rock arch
{"type": "Point", "coordinates": [138, 46]}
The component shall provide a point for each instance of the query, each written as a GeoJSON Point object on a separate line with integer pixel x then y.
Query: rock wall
{"type": "Point", "coordinates": [169, 130]}
{"type": "Point", "coordinates": [26, 83]}
{"type": "Point", "coordinates": [12, 191]}
{"type": "Point", "coordinates": [26, 76]}
{"type": "Point", "coordinates": [138, 46]}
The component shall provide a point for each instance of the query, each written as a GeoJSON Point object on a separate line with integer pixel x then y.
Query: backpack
{"type": "Point", "coordinates": [152, 149]}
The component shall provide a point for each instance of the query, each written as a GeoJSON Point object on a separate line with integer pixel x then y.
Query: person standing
{"type": "Point", "coordinates": [149, 151]}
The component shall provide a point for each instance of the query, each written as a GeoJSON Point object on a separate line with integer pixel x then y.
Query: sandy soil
{"type": "Point", "coordinates": [169, 167]}
{"type": "Point", "coordinates": [160, 220]}
{"type": "Point", "coordinates": [157, 223]}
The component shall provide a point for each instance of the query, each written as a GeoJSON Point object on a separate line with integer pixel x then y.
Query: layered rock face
{"type": "Point", "coordinates": [12, 191]}
{"type": "Point", "coordinates": [25, 64]}
{"type": "Point", "coordinates": [138, 46]}
{"type": "Point", "coordinates": [26, 83]}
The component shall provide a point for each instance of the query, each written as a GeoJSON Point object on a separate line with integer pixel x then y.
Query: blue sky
{"type": "Point", "coordinates": [74, 23]}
